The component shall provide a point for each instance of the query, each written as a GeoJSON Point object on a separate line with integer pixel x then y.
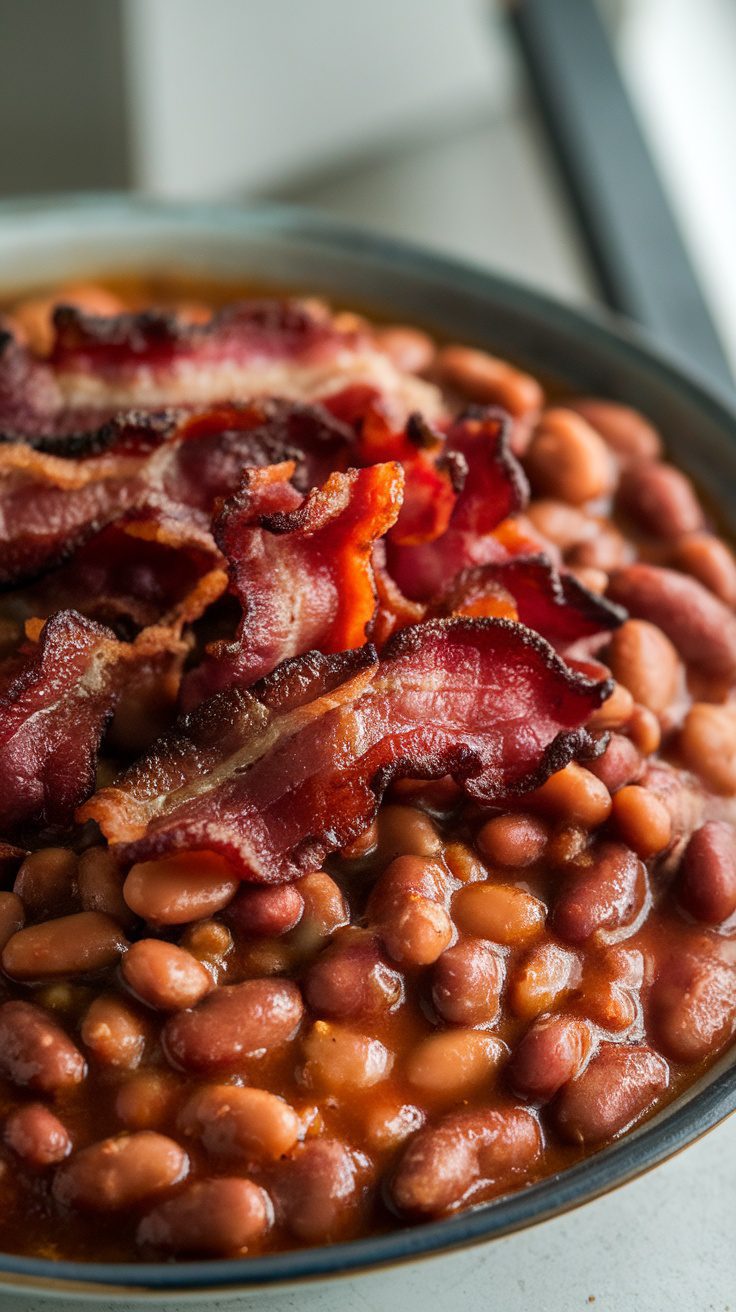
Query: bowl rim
{"type": "Point", "coordinates": [619, 1163]}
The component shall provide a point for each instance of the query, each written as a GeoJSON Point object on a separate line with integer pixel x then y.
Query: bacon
{"type": "Point", "coordinates": [143, 569]}
{"type": "Point", "coordinates": [494, 489]}
{"type": "Point", "coordinates": [56, 697]}
{"type": "Point", "coordinates": [100, 365]}
{"type": "Point", "coordinates": [275, 778]}
{"type": "Point", "coordinates": [51, 503]}
{"type": "Point", "coordinates": [300, 567]}
{"type": "Point", "coordinates": [531, 589]}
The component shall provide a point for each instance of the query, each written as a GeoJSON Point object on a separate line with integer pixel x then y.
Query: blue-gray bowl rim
{"type": "Point", "coordinates": [622, 1161]}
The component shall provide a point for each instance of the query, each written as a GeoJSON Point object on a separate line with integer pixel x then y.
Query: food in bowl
{"type": "Point", "coordinates": [368, 760]}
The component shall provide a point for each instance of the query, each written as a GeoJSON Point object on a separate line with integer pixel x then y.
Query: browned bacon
{"type": "Point", "coordinates": [57, 695]}
{"type": "Point", "coordinates": [274, 778]}
{"type": "Point", "coordinates": [301, 568]}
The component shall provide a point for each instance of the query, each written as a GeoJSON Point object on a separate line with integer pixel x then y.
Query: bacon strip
{"type": "Point", "coordinates": [99, 365]}
{"type": "Point", "coordinates": [554, 604]}
{"type": "Point", "coordinates": [274, 778]}
{"type": "Point", "coordinates": [56, 698]}
{"type": "Point", "coordinates": [301, 568]}
{"type": "Point", "coordinates": [50, 504]}
{"type": "Point", "coordinates": [494, 488]}
{"type": "Point", "coordinates": [143, 569]}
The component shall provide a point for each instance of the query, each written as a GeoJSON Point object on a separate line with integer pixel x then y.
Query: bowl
{"type": "Point", "coordinates": [45, 241]}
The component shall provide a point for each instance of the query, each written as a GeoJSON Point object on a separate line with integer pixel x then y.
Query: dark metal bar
{"type": "Point", "coordinates": [633, 239]}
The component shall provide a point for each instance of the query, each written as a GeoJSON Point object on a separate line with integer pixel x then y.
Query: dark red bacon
{"type": "Point", "coordinates": [57, 695]}
{"type": "Point", "coordinates": [145, 568]}
{"type": "Point", "coordinates": [493, 489]}
{"type": "Point", "coordinates": [554, 604]}
{"type": "Point", "coordinates": [51, 503]}
{"type": "Point", "coordinates": [274, 778]}
{"type": "Point", "coordinates": [100, 365]}
{"type": "Point", "coordinates": [300, 567]}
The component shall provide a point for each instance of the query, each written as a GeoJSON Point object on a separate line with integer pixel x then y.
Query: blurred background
{"type": "Point", "coordinates": [417, 118]}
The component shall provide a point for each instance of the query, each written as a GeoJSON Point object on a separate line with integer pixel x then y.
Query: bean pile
{"type": "Point", "coordinates": [461, 1003]}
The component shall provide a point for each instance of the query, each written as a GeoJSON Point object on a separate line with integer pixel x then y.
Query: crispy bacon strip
{"type": "Point", "coordinates": [274, 778]}
{"type": "Point", "coordinates": [143, 569]}
{"type": "Point", "coordinates": [56, 698]}
{"type": "Point", "coordinates": [494, 488]}
{"type": "Point", "coordinates": [51, 503]}
{"type": "Point", "coordinates": [99, 365]}
{"type": "Point", "coordinates": [554, 604]}
{"type": "Point", "coordinates": [301, 568]}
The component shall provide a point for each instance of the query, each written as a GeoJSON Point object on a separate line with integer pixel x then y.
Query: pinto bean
{"type": "Point", "coordinates": [619, 765]}
{"type": "Point", "coordinates": [575, 795]}
{"type": "Point", "coordinates": [338, 1059]}
{"type": "Point", "coordinates": [316, 1190]}
{"type": "Point", "coordinates": [644, 730]}
{"type": "Point", "coordinates": [642, 820]}
{"type": "Point", "coordinates": [389, 1123]}
{"type": "Point", "coordinates": [660, 498]}
{"type": "Point", "coordinates": [407, 908]}
{"type": "Point", "coordinates": [466, 983]}
{"type": "Point", "coordinates": [708, 745]}
{"type": "Point", "coordinates": [441, 1164]}
{"type": "Point", "coordinates": [562, 525]}
{"type": "Point", "coordinates": [232, 1024]}
{"type": "Point", "coordinates": [325, 911]}
{"type": "Point", "coordinates": [115, 1174]}
{"type": "Point", "coordinates": [615, 710]}
{"type": "Point", "coordinates": [238, 1124]}
{"type": "Point", "coordinates": [72, 945]}
{"type": "Point", "coordinates": [701, 628]}
{"type": "Point", "coordinates": [411, 350]}
{"type": "Point", "coordinates": [406, 831]}
{"type": "Point", "coordinates": [515, 839]}
{"type": "Point", "coordinates": [605, 890]}
{"type": "Point", "coordinates": [35, 1052]}
{"type": "Point", "coordinates": [545, 976]}
{"type": "Point", "coordinates": [605, 548]}
{"type": "Point", "coordinates": [351, 979]}
{"type": "Point", "coordinates": [177, 889]}
{"type": "Point", "coordinates": [629, 435]}
{"type": "Point", "coordinates": [644, 660]}
{"type": "Point", "coordinates": [452, 1064]}
{"type": "Point", "coordinates": [37, 1136]}
{"type": "Point", "coordinates": [708, 873]}
{"type": "Point", "coordinates": [551, 1053]}
{"type": "Point", "coordinates": [568, 459]}
{"type": "Point", "coordinates": [47, 882]}
{"type": "Point", "coordinates": [207, 940]}
{"type": "Point", "coordinates": [164, 976]}
{"type": "Point", "coordinates": [608, 992]}
{"type": "Point", "coordinates": [694, 1002]}
{"type": "Point", "coordinates": [617, 1087]}
{"type": "Point", "coordinates": [113, 1032]}
{"type": "Point", "coordinates": [463, 864]}
{"type": "Point", "coordinates": [487, 379]}
{"type": "Point", "coordinates": [221, 1217]}
{"type": "Point", "coordinates": [709, 561]}
{"type": "Point", "coordinates": [100, 882]}
{"type": "Point", "coordinates": [500, 912]}
{"type": "Point", "coordinates": [266, 912]}
{"type": "Point", "coordinates": [146, 1100]}
{"type": "Point", "coordinates": [683, 798]}
{"type": "Point", "coordinates": [12, 917]}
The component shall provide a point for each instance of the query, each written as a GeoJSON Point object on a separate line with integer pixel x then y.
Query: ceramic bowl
{"type": "Point", "coordinates": [45, 241]}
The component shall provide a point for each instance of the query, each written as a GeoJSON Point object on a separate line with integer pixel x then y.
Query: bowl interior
{"type": "Point", "coordinates": [44, 242]}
